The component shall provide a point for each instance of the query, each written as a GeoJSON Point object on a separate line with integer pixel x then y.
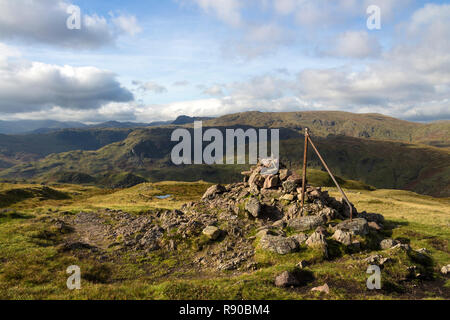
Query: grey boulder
{"type": "Point", "coordinates": [357, 226]}
{"type": "Point", "coordinates": [306, 223]}
{"type": "Point", "coordinates": [211, 232]}
{"type": "Point", "coordinates": [213, 191]}
{"type": "Point", "coordinates": [286, 279]}
{"type": "Point", "coordinates": [253, 206]}
{"type": "Point", "coordinates": [278, 244]}
{"type": "Point", "coordinates": [343, 237]}
{"type": "Point", "coordinates": [388, 243]}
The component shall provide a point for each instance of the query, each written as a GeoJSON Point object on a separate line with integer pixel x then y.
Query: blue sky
{"type": "Point", "coordinates": [154, 60]}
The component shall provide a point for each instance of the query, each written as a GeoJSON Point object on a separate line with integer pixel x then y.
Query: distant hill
{"type": "Point", "coordinates": [186, 119]}
{"type": "Point", "coordinates": [24, 126]}
{"type": "Point", "coordinates": [23, 148]}
{"type": "Point", "coordinates": [104, 125]}
{"type": "Point", "coordinates": [48, 126]}
{"type": "Point", "coordinates": [117, 124]}
{"type": "Point", "coordinates": [436, 134]}
{"type": "Point", "coordinates": [375, 149]}
{"type": "Point", "coordinates": [324, 123]}
{"type": "Point", "coordinates": [146, 153]}
{"type": "Point", "coordinates": [19, 148]}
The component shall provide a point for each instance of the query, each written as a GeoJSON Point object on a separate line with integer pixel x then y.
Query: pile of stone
{"type": "Point", "coordinates": [264, 209]}
{"type": "Point", "coordinates": [274, 200]}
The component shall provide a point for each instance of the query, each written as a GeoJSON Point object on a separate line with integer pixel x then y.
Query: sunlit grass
{"type": "Point", "coordinates": [32, 267]}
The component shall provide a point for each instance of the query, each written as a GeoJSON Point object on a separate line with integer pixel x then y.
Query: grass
{"type": "Point", "coordinates": [76, 198]}
{"type": "Point", "coordinates": [322, 178]}
{"type": "Point", "coordinates": [424, 220]}
{"type": "Point", "coordinates": [33, 267]}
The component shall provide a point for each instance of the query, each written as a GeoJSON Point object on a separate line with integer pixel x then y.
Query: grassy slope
{"type": "Point", "coordinates": [323, 123]}
{"type": "Point", "coordinates": [35, 146]}
{"type": "Point", "coordinates": [382, 164]}
{"type": "Point", "coordinates": [437, 134]}
{"type": "Point", "coordinates": [33, 268]}
{"type": "Point", "coordinates": [146, 152]}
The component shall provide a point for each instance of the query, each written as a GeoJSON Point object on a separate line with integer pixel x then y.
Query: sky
{"type": "Point", "coordinates": [153, 60]}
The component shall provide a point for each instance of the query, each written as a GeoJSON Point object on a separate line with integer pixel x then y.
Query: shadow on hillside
{"type": "Point", "coordinates": [14, 216]}
{"type": "Point", "coordinates": [390, 225]}
{"type": "Point", "coordinates": [10, 197]}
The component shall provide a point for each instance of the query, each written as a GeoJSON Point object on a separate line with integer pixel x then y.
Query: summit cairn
{"type": "Point", "coordinates": [271, 205]}
{"type": "Point", "coordinates": [278, 197]}
{"type": "Point", "coordinates": [225, 229]}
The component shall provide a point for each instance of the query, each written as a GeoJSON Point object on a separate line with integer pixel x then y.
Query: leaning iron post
{"type": "Point", "coordinates": [332, 177]}
{"type": "Point", "coordinates": [305, 159]}
{"type": "Point", "coordinates": [308, 139]}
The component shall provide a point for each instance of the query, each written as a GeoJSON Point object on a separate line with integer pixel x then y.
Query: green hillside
{"type": "Point", "coordinates": [436, 133]}
{"type": "Point", "coordinates": [24, 148]}
{"type": "Point", "coordinates": [37, 246]}
{"type": "Point", "coordinates": [146, 154]}
{"type": "Point", "coordinates": [324, 123]}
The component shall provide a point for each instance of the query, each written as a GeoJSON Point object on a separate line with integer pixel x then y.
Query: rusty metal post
{"type": "Point", "coordinates": [332, 177]}
{"type": "Point", "coordinates": [305, 159]}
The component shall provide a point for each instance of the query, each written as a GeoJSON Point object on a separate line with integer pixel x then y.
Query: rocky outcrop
{"type": "Point", "coordinates": [306, 223]}
{"type": "Point", "coordinates": [323, 289]}
{"type": "Point", "coordinates": [445, 270]}
{"type": "Point", "coordinates": [211, 232]}
{"type": "Point", "coordinates": [271, 182]}
{"type": "Point", "coordinates": [388, 244]}
{"type": "Point", "coordinates": [275, 200]}
{"type": "Point", "coordinates": [287, 279]}
{"type": "Point", "coordinates": [316, 240]}
{"type": "Point", "coordinates": [213, 191]}
{"type": "Point", "coordinates": [300, 238]}
{"type": "Point", "coordinates": [253, 207]}
{"type": "Point", "coordinates": [357, 226]}
{"type": "Point", "coordinates": [263, 209]}
{"type": "Point", "coordinates": [278, 244]}
{"type": "Point", "coordinates": [343, 237]}
{"type": "Point", "coordinates": [292, 183]}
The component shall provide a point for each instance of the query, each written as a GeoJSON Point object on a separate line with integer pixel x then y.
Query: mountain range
{"type": "Point", "coordinates": [46, 126]}
{"type": "Point", "coordinates": [380, 151]}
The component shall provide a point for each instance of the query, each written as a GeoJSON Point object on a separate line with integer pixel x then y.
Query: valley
{"type": "Point", "coordinates": [110, 201]}
{"type": "Point", "coordinates": [386, 158]}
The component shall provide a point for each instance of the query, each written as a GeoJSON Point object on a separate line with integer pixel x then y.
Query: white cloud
{"type": "Point", "coordinates": [149, 86]}
{"type": "Point", "coordinates": [265, 87]}
{"type": "Point", "coordinates": [214, 91]}
{"type": "Point", "coordinates": [29, 86]}
{"type": "Point", "coordinates": [44, 21]}
{"type": "Point", "coordinates": [108, 112]}
{"type": "Point", "coordinates": [354, 44]}
{"type": "Point", "coordinates": [258, 40]}
{"type": "Point", "coordinates": [285, 7]}
{"type": "Point", "coordinates": [430, 24]}
{"type": "Point", "coordinates": [8, 51]}
{"type": "Point", "coordinates": [228, 11]}
{"type": "Point", "coordinates": [128, 24]}
{"type": "Point", "coordinates": [320, 13]}
{"type": "Point", "coordinates": [410, 81]}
